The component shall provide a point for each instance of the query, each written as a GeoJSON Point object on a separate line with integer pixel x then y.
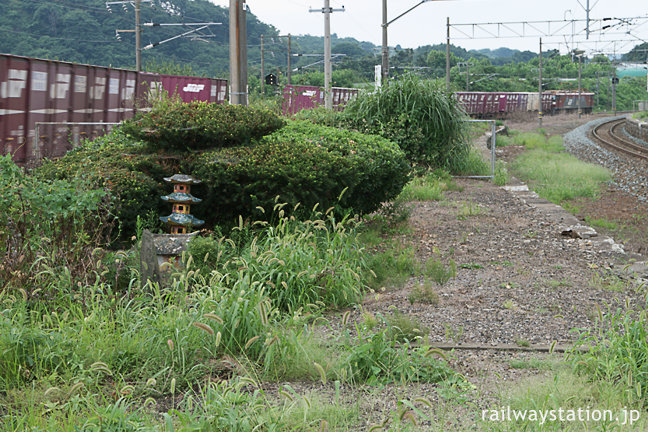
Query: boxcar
{"type": "Point", "coordinates": [45, 91]}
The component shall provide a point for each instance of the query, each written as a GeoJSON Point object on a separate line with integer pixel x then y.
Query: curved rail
{"type": "Point", "coordinates": [607, 133]}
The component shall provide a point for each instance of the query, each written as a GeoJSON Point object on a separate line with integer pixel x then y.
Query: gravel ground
{"type": "Point", "coordinates": [630, 175]}
{"type": "Point", "coordinates": [519, 281]}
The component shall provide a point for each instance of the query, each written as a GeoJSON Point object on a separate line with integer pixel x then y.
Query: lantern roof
{"type": "Point", "coordinates": [182, 179]}
{"type": "Point", "coordinates": [182, 219]}
{"type": "Point", "coordinates": [182, 198]}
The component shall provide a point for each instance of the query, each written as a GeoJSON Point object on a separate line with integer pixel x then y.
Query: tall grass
{"type": "Point", "coordinates": [617, 355]}
{"type": "Point", "coordinates": [424, 120]}
{"type": "Point", "coordinates": [300, 264]}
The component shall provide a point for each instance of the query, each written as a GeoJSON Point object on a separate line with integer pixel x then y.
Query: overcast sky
{"type": "Point", "coordinates": [426, 25]}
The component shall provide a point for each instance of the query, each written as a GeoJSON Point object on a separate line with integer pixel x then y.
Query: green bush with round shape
{"type": "Point", "coordinates": [201, 125]}
{"type": "Point", "coordinates": [425, 121]}
{"type": "Point", "coordinates": [303, 164]}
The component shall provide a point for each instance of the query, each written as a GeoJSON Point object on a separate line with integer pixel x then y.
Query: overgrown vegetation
{"type": "Point", "coordinates": [302, 163]}
{"type": "Point", "coordinates": [419, 116]}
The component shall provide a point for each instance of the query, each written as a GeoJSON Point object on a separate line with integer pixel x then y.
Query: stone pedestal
{"type": "Point", "coordinates": [161, 255]}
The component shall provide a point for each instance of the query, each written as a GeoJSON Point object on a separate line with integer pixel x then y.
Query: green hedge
{"type": "Point", "coordinates": [301, 163]}
{"type": "Point", "coordinates": [201, 125]}
{"type": "Point", "coordinates": [306, 164]}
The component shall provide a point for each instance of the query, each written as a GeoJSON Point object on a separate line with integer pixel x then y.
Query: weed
{"type": "Point", "coordinates": [471, 266]}
{"type": "Point", "coordinates": [424, 293]}
{"type": "Point", "coordinates": [402, 327]}
{"type": "Point", "coordinates": [469, 209]}
{"type": "Point", "coordinates": [508, 304]}
{"type": "Point", "coordinates": [453, 334]}
{"type": "Point", "coordinates": [522, 343]}
{"type": "Point", "coordinates": [436, 271]}
{"type": "Point", "coordinates": [602, 223]}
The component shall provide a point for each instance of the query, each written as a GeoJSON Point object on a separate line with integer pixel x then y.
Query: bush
{"type": "Point", "coordinates": [419, 116]}
{"type": "Point", "coordinates": [201, 125]}
{"type": "Point", "coordinates": [46, 222]}
{"type": "Point", "coordinates": [116, 163]}
{"type": "Point", "coordinates": [304, 164]}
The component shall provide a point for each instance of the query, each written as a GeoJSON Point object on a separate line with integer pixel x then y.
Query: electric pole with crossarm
{"type": "Point", "coordinates": [327, 10]}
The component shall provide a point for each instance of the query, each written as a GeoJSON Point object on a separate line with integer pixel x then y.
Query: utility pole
{"type": "Point", "coordinates": [138, 34]}
{"type": "Point", "coordinates": [137, 30]}
{"type": "Point", "coordinates": [580, 90]}
{"type": "Point", "coordinates": [238, 53]}
{"type": "Point", "coordinates": [385, 46]}
{"type": "Point", "coordinates": [615, 81]}
{"type": "Point", "coordinates": [540, 86]}
{"type": "Point", "coordinates": [598, 80]}
{"type": "Point", "coordinates": [289, 71]}
{"type": "Point", "coordinates": [448, 57]}
{"type": "Point", "coordinates": [327, 10]}
{"type": "Point", "coordinates": [467, 76]}
{"type": "Point", "coordinates": [262, 69]}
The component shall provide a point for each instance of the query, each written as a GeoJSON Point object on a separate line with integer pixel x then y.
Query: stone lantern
{"type": "Point", "coordinates": [181, 220]}
{"type": "Point", "coordinates": [161, 254]}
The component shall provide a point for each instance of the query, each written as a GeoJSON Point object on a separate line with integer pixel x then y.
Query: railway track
{"type": "Point", "coordinates": [609, 134]}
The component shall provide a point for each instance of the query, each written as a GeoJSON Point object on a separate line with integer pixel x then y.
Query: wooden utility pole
{"type": "Point", "coordinates": [238, 53]}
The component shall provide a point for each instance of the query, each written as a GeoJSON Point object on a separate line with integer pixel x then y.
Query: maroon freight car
{"type": "Point", "coordinates": [67, 102]}
{"type": "Point", "coordinates": [499, 104]}
{"type": "Point", "coordinates": [565, 101]}
{"type": "Point", "coordinates": [297, 98]}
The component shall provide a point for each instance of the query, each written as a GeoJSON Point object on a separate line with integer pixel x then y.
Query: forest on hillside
{"type": "Point", "coordinates": [84, 31]}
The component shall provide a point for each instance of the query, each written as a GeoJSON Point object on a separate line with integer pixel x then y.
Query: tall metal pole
{"type": "Point", "coordinates": [448, 56]}
{"type": "Point", "coordinates": [238, 53]}
{"type": "Point", "coordinates": [467, 76]}
{"type": "Point", "coordinates": [587, 11]}
{"type": "Point", "coordinates": [580, 103]}
{"type": "Point", "coordinates": [614, 81]}
{"type": "Point", "coordinates": [262, 68]}
{"type": "Point", "coordinates": [328, 97]}
{"type": "Point", "coordinates": [138, 41]}
{"type": "Point", "coordinates": [289, 58]}
{"type": "Point", "coordinates": [385, 46]}
{"type": "Point", "coordinates": [540, 86]}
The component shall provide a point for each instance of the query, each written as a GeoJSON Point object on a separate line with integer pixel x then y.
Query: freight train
{"type": "Point", "coordinates": [66, 102]}
{"type": "Point", "coordinates": [502, 104]}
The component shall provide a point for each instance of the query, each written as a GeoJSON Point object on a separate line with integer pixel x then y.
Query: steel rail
{"type": "Point", "coordinates": [607, 134]}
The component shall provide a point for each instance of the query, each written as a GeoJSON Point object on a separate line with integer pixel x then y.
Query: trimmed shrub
{"type": "Point", "coordinates": [424, 120]}
{"type": "Point", "coordinates": [201, 125]}
{"type": "Point", "coordinates": [303, 164]}
{"type": "Point", "coordinates": [116, 163]}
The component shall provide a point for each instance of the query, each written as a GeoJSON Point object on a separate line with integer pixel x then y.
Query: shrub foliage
{"type": "Point", "coordinates": [201, 125]}
{"type": "Point", "coordinates": [301, 163]}
{"type": "Point", "coordinates": [304, 164]}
